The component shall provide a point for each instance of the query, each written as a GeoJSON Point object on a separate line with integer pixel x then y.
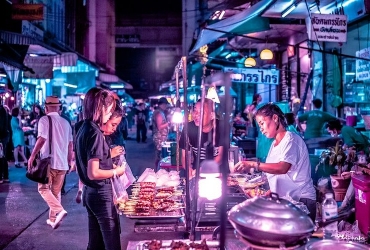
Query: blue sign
{"type": "Point", "coordinates": [256, 76]}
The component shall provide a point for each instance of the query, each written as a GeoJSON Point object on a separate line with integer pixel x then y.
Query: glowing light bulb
{"type": "Point", "coordinates": [210, 188]}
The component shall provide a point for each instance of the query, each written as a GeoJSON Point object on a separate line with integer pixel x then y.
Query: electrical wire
{"type": "Point", "coordinates": [309, 16]}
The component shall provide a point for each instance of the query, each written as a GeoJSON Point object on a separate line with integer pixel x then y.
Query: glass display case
{"type": "Point", "coordinates": [356, 91]}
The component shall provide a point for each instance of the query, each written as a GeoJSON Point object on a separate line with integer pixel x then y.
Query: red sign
{"type": "Point", "coordinates": [28, 11]}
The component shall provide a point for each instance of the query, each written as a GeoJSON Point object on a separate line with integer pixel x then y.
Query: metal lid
{"type": "Point", "coordinates": [272, 215]}
{"type": "Point", "coordinates": [333, 244]}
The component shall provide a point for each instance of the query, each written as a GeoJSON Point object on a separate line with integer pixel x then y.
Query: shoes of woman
{"type": "Point", "coordinates": [18, 165]}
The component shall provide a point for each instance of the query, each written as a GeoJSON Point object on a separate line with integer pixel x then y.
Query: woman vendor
{"type": "Point", "coordinates": [287, 165]}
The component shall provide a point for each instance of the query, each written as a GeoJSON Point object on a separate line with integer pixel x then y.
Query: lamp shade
{"type": "Point", "coordinates": [266, 54]}
{"type": "Point", "coordinates": [250, 62]}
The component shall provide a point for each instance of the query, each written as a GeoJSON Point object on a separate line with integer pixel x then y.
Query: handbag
{"type": "Point", "coordinates": [39, 172]}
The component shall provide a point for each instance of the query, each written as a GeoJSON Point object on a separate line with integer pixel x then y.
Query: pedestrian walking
{"type": "Point", "coordinates": [140, 120]}
{"type": "Point", "coordinates": [18, 137]}
{"type": "Point", "coordinates": [95, 168]}
{"type": "Point", "coordinates": [160, 128]}
{"type": "Point", "coordinates": [61, 156]}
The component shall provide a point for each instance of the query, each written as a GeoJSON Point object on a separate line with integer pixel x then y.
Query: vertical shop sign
{"type": "Point", "coordinates": [31, 30]}
{"type": "Point", "coordinates": [327, 28]}
{"type": "Point", "coordinates": [363, 66]}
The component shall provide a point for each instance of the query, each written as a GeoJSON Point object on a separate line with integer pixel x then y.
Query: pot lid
{"type": "Point", "coordinates": [271, 214]}
{"type": "Point", "coordinates": [333, 244]}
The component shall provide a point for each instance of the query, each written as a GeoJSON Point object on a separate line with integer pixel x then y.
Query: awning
{"type": "Point", "coordinates": [244, 22]}
{"type": "Point", "coordinates": [83, 81]}
{"type": "Point", "coordinates": [113, 80]}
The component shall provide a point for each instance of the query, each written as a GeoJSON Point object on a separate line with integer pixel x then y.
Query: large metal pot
{"type": "Point", "coordinates": [271, 221]}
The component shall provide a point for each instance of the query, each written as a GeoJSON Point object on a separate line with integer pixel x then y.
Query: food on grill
{"type": "Point", "coordinates": [256, 192]}
{"type": "Point", "coordinates": [231, 181]}
{"type": "Point", "coordinates": [147, 184]}
{"type": "Point", "coordinates": [199, 246]}
{"type": "Point", "coordinates": [154, 245]}
{"type": "Point", "coordinates": [179, 245]}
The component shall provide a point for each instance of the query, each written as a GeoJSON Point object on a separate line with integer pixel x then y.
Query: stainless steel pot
{"type": "Point", "coordinates": [271, 221]}
{"type": "Point", "coordinates": [275, 222]}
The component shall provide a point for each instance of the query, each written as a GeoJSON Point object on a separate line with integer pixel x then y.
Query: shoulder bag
{"type": "Point", "coordinates": [39, 172]}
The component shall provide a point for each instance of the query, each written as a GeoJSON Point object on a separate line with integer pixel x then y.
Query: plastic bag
{"type": "Point", "coordinates": [119, 192]}
{"type": "Point", "coordinates": [127, 178]}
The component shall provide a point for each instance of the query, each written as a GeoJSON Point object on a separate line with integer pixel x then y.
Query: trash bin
{"type": "Point", "coordinates": [361, 183]}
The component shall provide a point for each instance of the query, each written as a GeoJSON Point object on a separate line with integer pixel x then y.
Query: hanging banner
{"type": "Point", "coordinates": [327, 28]}
{"type": "Point", "coordinates": [28, 12]}
{"type": "Point", "coordinates": [363, 66]}
{"type": "Point", "coordinates": [42, 67]}
{"type": "Point", "coordinates": [256, 76]}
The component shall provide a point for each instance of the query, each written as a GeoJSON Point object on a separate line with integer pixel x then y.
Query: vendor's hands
{"type": "Point", "coordinates": [117, 150]}
{"type": "Point", "coordinates": [244, 166]}
{"type": "Point", "coordinates": [120, 170]}
{"type": "Point", "coordinates": [346, 175]}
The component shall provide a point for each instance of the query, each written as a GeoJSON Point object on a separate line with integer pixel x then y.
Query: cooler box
{"type": "Point", "coordinates": [361, 184]}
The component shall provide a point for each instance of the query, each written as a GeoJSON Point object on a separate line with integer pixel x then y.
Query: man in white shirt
{"type": "Point", "coordinates": [61, 156]}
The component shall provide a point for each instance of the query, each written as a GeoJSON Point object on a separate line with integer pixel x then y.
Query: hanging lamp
{"type": "Point", "coordinates": [250, 62]}
{"type": "Point", "coordinates": [266, 54]}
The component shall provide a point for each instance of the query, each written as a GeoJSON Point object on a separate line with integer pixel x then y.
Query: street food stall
{"type": "Point", "coordinates": [214, 204]}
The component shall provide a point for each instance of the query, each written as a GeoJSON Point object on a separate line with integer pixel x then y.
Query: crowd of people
{"type": "Point", "coordinates": [94, 144]}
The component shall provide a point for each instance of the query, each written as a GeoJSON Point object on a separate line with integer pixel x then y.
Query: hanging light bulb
{"type": "Point", "coordinates": [177, 116]}
{"type": "Point", "coordinates": [212, 94]}
{"type": "Point", "coordinates": [250, 62]}
{"type": "Point", "coordinates": [266, 54]}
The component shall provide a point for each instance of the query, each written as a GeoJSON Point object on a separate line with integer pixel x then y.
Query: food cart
{"type": "Point", "coordinates": [162, 201]}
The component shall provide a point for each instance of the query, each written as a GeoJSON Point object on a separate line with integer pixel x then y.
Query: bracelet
{"type": "Point", "coordinates": [258, 165]}
{"type": "Point", "coordinates": [114, 173]}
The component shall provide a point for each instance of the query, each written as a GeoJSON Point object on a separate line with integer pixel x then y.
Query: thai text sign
{"type": "Point", "coordinates": [327, 28]}
{"type": "Point", "coordinates": [363, 66]}
{"type": "Point", "coordinates": [256, 76]}
{"type": "Point", "coordinates": [28, 11]}
{"type": "Point", "coordinates": [132, 38]}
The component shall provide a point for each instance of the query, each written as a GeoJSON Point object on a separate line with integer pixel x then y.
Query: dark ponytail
{"type": "Point", "coordinates": [270, 109]}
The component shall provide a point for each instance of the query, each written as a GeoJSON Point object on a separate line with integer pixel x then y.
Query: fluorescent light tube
{"type": "Point", "coordinates": [288, 10]}
{"type": "Point", "coordinates": [70, 85]}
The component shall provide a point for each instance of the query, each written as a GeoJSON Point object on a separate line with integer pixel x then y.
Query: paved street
{"type": "Point", "coordinates": [24, 212]}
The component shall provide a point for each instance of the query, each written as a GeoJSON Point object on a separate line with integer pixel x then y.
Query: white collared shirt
{"type": "Point", "coordinates": [62, 136]}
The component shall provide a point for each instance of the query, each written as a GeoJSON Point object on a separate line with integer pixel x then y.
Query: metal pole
{"type": "Point", "coordinates": [197, 162]}
{"type": "Point", "coordinates": [224, 165]}
{"type": "Point", "coordinates": [186, 141]}
{"type": "Point", "coordinates": [177, 124]}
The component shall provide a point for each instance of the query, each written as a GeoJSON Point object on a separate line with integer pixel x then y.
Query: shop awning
{"type": "Point", "coordinates": [113, 81]}
{"type": "Point", "coordinates": [82, 81]}
{"type": "Point", "coordinates": [247, 21]}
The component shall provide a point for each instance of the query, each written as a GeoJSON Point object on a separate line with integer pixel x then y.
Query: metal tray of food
{"type": "Point", "coordinates": [158, 215]}
{"type": "Point", "coordinates": [176, 244]}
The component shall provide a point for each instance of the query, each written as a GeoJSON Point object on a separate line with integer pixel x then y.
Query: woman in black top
{"type": "Point", "coordinates": [95, 168]}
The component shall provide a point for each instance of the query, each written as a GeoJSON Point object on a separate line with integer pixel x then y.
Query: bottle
{"type": "Point", "coordinates": [330, 210]}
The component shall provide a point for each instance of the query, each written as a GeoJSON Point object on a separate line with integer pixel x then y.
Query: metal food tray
{"type": "Point", "coordinates": [143, 245]}
{"type": "Point", "coordinates": [158, 215]}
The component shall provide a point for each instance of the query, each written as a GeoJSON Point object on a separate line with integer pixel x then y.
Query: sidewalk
{"type": "Point", "coordinates": [24, 212]}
